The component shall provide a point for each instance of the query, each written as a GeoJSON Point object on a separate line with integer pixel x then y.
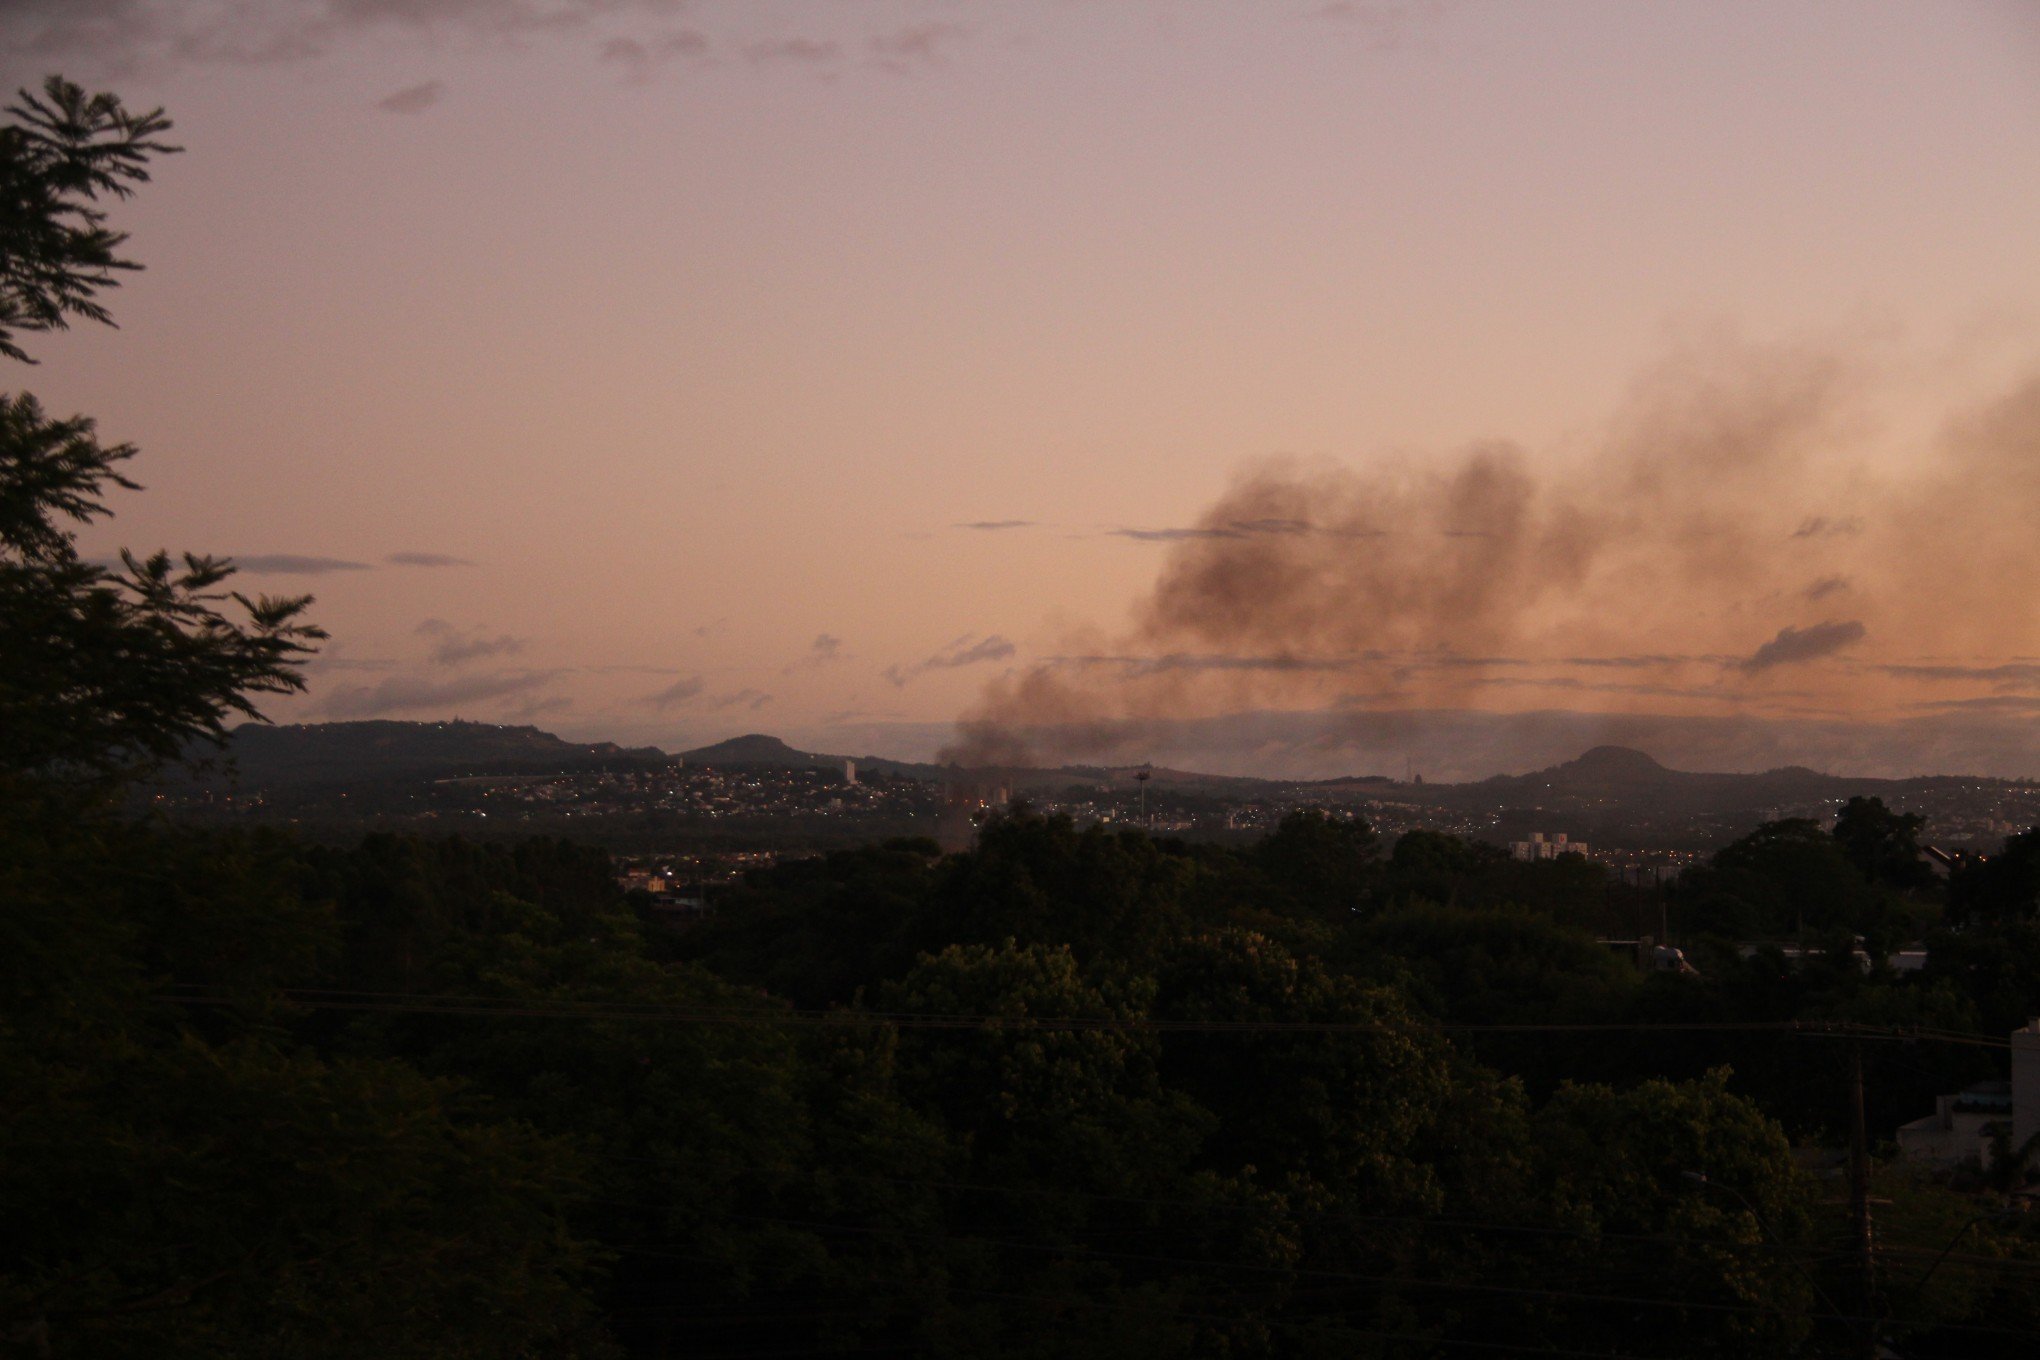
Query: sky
{"type": "Point", "coordinates": [1293, 388]}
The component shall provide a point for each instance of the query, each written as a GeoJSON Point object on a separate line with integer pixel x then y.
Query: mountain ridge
{"type": "Point", "coordinates": [305, 754]}
{"type": "Point", "coordinates": [311, 753]}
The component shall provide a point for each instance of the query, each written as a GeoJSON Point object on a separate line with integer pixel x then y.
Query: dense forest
{"type": "Point", "coordinates": [1070, 1092]}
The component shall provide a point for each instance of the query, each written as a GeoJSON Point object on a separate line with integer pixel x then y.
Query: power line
{"type": "Point", "coordinates": [1337, 1330]}
{"type": "Point", "coordinates": [418, 1003]}
{"type": "Point", "coordinates": [1419, 1221]}
{"type": "Point", "coordinates": [1353, 1277]}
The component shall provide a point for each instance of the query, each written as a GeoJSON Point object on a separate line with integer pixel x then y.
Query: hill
{"type": "Point", "coordinates": [303, 755]}
{"type": "Point", "coordinates": [1608, 794]}
{"type": "Point", "coordinates": [757, 749]}
{"type": "Point", "coordinates": [1619, 776]}
{"type": "Point", "coordinates": [1612, 766]}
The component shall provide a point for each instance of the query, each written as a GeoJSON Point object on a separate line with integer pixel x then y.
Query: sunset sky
{"type": "Point", "coordinates": [1281, 387]}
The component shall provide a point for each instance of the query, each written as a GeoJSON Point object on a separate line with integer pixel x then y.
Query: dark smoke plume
{"type": "Point", "coordinates": [1675, 548]}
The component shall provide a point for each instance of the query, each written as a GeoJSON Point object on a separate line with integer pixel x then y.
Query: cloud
{"type": "Point", "coordinates": [964, 652]}
{"type": "Point", "coordinates": [1826, 586]}
{"type": "Point", "coordinates": [968, 650]}
{"type": "Point", "coordinates": [325, 661]}
{"type": "Point", "coordinates": [1175, 535]}
{"type": "Point", "coordinates": [2019, 673]}
{"type": "Point", "coordinates": [994, 525]}
{"type": "Point", "coordinates": [1252, 527]}
{"type": "Point", "coordinates": [1452, 661]}
{"type": "Point", "coordinates": [744, 698]}
{"type": "Point", "coordinates": [1632, 662]}
{"type": "Point", "coordinates": [269, 31]}
{"type": "Point", "coordinates": [639, 61]}
{"type": "Point", "coordinates": [413, 98]}
{"type": "Point", "coordinates": [682, 691]}
{"type": "Point", "coordinates": [2006, 703]}
{"type": "Point", "coordinates": [1384, 25]}
{"type": "Point", "coordinates": [825, 650]}
{"type": "Point", "coordinates": [917, 45]}
{"type": "Point", "coordinates": [1820, 526]}
{"type": "Point", "coordinates": [1401, 664]}
{"type": "Point", "coordinates": [1530, 682]}
{"type": "Point", "coordinates": [799, 51]}
{"type": "Point", "coordinates": [290, 564]}
{"type": "Point", "coordinates": [556, 703]}
{"type": "Point", "coordinates": [425, 559]}
{"type": "Point", "coordinates": [413, 693]}
{"type": "Point", "coordinates": [454, 646]}
{"type": "Point", "coordinates": [1575, 684]}
{"type": "Point", "coordinates": [1160, 665]}
{"type": "Point", "coordinates": [721, 625]}
{"type": "Point", "coordinates": [1804, 644]}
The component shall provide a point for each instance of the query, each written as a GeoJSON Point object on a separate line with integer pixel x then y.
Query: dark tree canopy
{"type": "Point", "coordinates": [103, 671]}
{"type": "Point", "coordinates": [1882, 844]}
{"type": "Point", "coordinates": [65, 154]}
{"type": "Point", "coordinates": [2002, 888]}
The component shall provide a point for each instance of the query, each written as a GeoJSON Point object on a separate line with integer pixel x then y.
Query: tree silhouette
{"type": "Point", "coordinates": [1882, 844]}
{"type": "Point", "coordinates": [169, 1188]}
{"type": "Point", "coordinates": [104, 672]}
{"type": "Point", "coordinates": [67, 152]}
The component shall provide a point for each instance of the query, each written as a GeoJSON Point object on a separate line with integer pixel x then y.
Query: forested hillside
{"type": "Point", "coordinates": [1068, 1093]}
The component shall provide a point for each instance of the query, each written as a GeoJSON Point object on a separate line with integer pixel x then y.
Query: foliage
{"type": "Point", "coordinates": [177, 1183]}
{"type": "Point", "coordinates": [1073, 1092]}
{"type": "Point", "coordinates": [1499, 965]}
{"type": "Point", "coordinates": [1320, 862]}
{"type": "Point", "coordinates": [65, 153]}
{"type": "Point", "coordinates": [1882, 844]}
{"type": "Point", "coordinates": [1699, 1184]}
{"type": "Point", "coordinates": [102, 672]}
{"type": "Point", "coordinates": [106, 674]}
{"type": "Point", "coordinates": [192, 1198]}
{"type": "Point", "coordinates": [2003, 888]}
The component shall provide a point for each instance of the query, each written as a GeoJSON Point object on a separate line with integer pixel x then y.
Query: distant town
{"type": "Point", "coordinates": [696, 821]}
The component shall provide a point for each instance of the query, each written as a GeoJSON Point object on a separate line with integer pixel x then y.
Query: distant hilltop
{"type": "Point", "coordinates": [302, 754]}
{"type": "Point", "coordinates": [1621, 774]}
{"type": "Point", "coordinates": [307, 755]}
{"type": "Point", "coordinates": [1614, 765]}
{"type": "Point", "coordinates": [756, 748]}
{"type": "Point", "coordinates": [759, 751]}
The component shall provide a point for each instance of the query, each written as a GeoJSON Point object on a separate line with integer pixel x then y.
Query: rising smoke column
{"type": "Point", "coordinates": [1729, 545]}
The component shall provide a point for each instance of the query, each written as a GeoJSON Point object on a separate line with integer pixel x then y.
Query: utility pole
{"type": "Point", "coordinates": [1141, 777]}
{"type": "Point", "coordinates": [1859, 1203]}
